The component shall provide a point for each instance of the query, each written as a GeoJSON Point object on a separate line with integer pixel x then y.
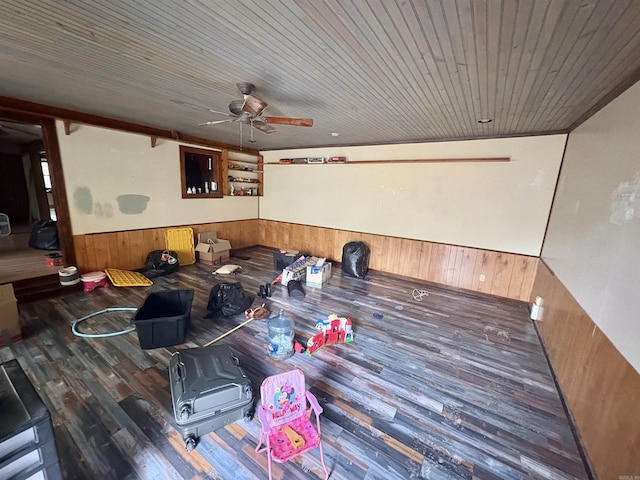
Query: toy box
{"type": "Point", "coordinates": [318, 275]}
{"type": "Point", "coordinates": [211, 249]}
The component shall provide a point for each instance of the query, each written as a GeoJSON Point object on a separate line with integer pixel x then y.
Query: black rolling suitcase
{"type": "Point", "coordinates": [208, 391]}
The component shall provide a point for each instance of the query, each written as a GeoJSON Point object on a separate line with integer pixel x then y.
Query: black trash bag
{"type": "Point", "coordinates": [44, 236]}
{"type": "Point", "coordinates": [160, 262]}
{"type": "Point", "coordinates": [355, 259]}
{"type": "Point", "coordinates": [228, 299]}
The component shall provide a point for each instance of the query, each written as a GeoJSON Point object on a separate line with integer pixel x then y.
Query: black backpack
{"type": "Point", "coordinates": [44, 236]}
{"type": "Point", "coordinates": [228, 299]}
{"type": "Point", "coordinates": [161, 262]}
{"type": "Point", "coordinates": [355, 259]}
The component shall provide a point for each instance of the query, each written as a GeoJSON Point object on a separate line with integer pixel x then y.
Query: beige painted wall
{"type": "Point", "coordinates": [495, 206]}
{"type": "Point", "coordinates": [593, 242]}
{"type": "Point", "coordinates": [101, 164]}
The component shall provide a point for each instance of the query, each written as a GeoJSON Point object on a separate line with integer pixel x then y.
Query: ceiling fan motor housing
{"type": "Point", "coordinates": [245, 87]}
{"type": "Point", "coordinates": [235, 107]}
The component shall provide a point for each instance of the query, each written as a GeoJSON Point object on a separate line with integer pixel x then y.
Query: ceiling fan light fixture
{"type": "Point", "coordinates": [485, 120]}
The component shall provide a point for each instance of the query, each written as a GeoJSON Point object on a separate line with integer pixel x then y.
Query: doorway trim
{"type": "Point", "coordinates": [59, 192]}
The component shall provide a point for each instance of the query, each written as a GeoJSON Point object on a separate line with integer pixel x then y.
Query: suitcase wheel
{"type": "Point", "coordinates": [190, 443]}
{"type": "Point", "coordinates": [247, 418]}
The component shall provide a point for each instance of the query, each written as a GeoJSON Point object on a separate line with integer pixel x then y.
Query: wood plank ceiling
{"type": "Point", "coordinates": [375, 71]}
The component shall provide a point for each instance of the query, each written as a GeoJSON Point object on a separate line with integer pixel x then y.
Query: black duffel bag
{"type": "Point", "coordinates": [228, 299]}
{"type": "Point", "coordinates": [160, 262]}
{"type": "Point", "coordinates": [44, 236]}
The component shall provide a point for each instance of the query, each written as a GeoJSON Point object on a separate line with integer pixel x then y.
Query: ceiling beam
{"type": "Point", "coordinates": [25, 107]}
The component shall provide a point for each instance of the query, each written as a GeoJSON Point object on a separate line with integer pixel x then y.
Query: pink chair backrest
{"type": "Point", "coordinates": [283, 397]}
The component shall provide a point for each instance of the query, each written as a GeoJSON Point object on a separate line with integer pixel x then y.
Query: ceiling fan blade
{"type": "Point", "coordinates": [253, 105]}
{"type": "Point", "coordinates": [217, 122]}
{"type": "Point", "coordinates": [221, 113]}
{"type": "Point", "coordinates": [296, 122]}
{"type": "Point", "coordinates": [263, 127]}
{"type": "Point", "coordinates": [199, 107]}
{"type": "Point", "coordinates": [3, 131]}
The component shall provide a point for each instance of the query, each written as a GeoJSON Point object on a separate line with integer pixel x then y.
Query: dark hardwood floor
{"type": "Point", "coordinates": [453, 386]}
{"type": "Point", "coordinates": [20, 262]}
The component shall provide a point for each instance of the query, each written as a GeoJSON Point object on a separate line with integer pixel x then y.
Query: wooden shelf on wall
{"type": "Point", "coordinates": [425, 160]}
{"type": "Point", "coordinates": [256, 169]}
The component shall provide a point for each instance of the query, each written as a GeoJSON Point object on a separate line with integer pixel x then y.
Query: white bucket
{"type": "Point", "coordinates": [69, 276]}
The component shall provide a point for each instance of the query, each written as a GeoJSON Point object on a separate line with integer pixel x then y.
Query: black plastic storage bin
{"type": "Point", "coordinates": [282, 260]}
{"type": "Point", "coordinates": [163, 318]}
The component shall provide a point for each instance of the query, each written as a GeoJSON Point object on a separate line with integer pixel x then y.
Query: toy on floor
{"type": "Point", "coordinates": [298, 347]}
{"type": "Point", "coordinates": [257, 313]}
{"type": "Point", "coordinates": [332, 330]}
{"type": "Point", "coordinates": [296, 440]}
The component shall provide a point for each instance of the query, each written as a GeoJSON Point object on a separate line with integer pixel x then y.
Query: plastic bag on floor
{"type": "Point", "coordinates": [355, 259]}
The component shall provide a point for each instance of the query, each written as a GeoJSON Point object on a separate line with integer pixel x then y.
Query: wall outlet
{"type": "Point", "coordinates": [482, 277]}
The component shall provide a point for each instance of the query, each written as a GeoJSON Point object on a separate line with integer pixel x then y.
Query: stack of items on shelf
{"type": "Point", "coordinates": [242, 191]}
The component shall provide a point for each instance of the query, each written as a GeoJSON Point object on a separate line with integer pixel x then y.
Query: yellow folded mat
{"type": "Point", "coordinates": [125, 278]}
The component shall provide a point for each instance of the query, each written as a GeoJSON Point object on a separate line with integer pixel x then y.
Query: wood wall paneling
{"type": "Point", "coordinates": [601, 388]}
{"type": "Point", "coordinates": [128, 250]}
{"type": "Point", "coordinates": [506, 274]}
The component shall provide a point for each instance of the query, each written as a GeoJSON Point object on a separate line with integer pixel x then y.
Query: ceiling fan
{"type": "Point", "coordinates": [249, 111]}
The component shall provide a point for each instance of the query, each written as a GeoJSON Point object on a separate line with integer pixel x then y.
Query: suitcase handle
{"type": "Point", "coordinates": [179, 369]}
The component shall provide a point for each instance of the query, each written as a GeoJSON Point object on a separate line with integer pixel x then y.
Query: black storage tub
{"type": "Point", "coordinates": [163, 318]}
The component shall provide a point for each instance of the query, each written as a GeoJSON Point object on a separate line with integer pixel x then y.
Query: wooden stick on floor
{"type": "Point", "coordinates": [225, 334]}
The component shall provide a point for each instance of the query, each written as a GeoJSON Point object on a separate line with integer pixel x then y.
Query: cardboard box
{"type": "Point", "coordinates": [318, 275]}
{"type": "Point", "coordinates": [211, 249]}
{"type": "Point", "coordinates": [297, 270]}
{"type": "Point", "coordinates": [10, 330]}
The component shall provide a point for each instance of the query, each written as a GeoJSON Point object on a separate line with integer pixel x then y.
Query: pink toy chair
{"type": "Point", "coordinates": [287, 430]}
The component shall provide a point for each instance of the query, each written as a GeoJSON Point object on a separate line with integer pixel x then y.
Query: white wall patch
{"type": "Point", "coordinates": [625, 201]}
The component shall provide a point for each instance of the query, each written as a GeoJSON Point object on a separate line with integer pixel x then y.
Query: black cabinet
{"type": "Point", "coordinates": [27, 444]}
